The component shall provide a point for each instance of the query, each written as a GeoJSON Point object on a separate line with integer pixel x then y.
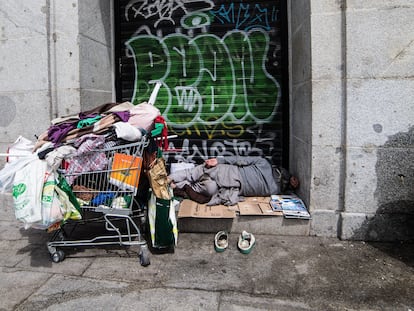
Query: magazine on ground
{"type": "Point", "coordinates": [291, 206]}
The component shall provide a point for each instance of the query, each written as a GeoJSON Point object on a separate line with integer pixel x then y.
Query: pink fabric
{"type": "Point", "coordinates": [143, 115]}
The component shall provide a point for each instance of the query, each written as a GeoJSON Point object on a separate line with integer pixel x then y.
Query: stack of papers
{"type": "Point", "coordinates": [291, 206]}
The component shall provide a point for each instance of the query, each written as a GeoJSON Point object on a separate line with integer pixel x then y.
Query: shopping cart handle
{"type": "Point", "coordinates": [15, 155]}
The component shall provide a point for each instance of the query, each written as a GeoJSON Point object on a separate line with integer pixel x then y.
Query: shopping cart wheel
{"type": "Point", "coordinates": [58, 256]}
{"type": "Point", "coordinates": [144, 256]}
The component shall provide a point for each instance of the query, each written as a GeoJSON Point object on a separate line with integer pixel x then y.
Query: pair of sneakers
{"type": "Point", "coordinates": [245, 242]}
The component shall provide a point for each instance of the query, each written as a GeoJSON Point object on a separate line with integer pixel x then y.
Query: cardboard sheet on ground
{"type": "Point", "coordinates": [252, 206]}
{"type": "Point", "coordinates": [189, 208]}
{"type": "Point", "coordinates": [257, 206]}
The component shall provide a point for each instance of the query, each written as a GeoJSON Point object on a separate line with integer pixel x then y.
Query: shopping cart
{"type": "Point", "coordinates": [107, 196]}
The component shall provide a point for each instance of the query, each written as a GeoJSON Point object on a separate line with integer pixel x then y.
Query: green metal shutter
{"type": "Point", "coordinates": [223, 69]}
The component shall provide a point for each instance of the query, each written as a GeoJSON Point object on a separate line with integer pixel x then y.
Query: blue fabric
{"type": "Point", "coordinates": [102, 198]}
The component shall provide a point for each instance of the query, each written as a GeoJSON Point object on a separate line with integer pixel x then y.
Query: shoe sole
{"type": "Point", "coordinates": [246, 250]}
{"type": "Point", "coordinates": [217, 248]}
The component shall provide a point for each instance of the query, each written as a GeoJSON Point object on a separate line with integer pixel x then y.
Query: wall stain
{"type": "Point", "coordinates": [394, 218]}
{"type": "Point", "coordinates": [8, 111]}
{"type": "Point", "coordinates": [377, 128]}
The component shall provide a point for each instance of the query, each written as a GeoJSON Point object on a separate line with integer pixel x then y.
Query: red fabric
{"type": "Point", "coordinates": [163, 141]}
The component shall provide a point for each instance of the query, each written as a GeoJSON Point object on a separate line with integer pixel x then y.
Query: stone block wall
{"type": "Point", "coordinates": [379, 187]}
{"type": "Point", "coordinates": [25, 103]}
{"type": "Point", "coordinates": [56, 59]}
{"type": "Point", "coordinates": [361, 176]}
{"type": "Point", "coordinates": [96, 54]}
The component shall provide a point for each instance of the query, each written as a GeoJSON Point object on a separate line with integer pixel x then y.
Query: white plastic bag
{"type": "Point", "coordinates": [19, 154]}
{"type": "Point", "coordinates": [51, 205]}
{"type": "Point", "coordinates": [20, 148]}
{"type": "Point", "coordinates": [7, 174]}
{"type": "Point", "coordinates": [27, 192]}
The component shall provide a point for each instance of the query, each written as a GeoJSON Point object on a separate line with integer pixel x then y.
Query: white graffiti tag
{"type": "Point", "coordinates": [163, 10]}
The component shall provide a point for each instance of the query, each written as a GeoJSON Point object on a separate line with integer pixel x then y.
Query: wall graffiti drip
{"type": "Point", "coordinates": [220, 66]}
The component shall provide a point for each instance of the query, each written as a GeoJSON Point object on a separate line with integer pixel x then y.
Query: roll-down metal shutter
{"type": "Point", "coordinates": [223, 69]}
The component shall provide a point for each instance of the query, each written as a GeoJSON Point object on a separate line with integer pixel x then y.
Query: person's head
{"type": "Point", "coordinates": [211, 162]}
{"type": "Point", "coordinates": [209, 186]}
{"type": "Point", "coordinates": [294, 182]}
{"type": "Point", "coordinates": [284, 179]}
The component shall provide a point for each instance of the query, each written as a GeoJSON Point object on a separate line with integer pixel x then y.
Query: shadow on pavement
{"type": "Point", "coordinates": [400, 250]}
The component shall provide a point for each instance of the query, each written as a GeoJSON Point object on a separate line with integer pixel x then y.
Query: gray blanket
{"type": "Point", "coordinates": [233, 178]}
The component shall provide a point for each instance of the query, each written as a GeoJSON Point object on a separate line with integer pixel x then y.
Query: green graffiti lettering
{"type": "Point", "coordinates": [262, 91]}
{"type": "Point", "coordinates": [207, 80]}
{"type": "Point", "coordinates": [182, 79]}
{"type": "Point", "coordinates": [216, 86]}
{"type": "Point", "coordinates": [151, 64]}
{"type": "Point", "coordinates": [238, 43]}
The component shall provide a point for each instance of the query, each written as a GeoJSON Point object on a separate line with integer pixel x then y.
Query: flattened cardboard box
{"type": "Point", "coordinates": [257, 206]}
{"type": "Point", "coordinates": [252, 206]}
{"type": "Point", "coordinates": [189, 208]}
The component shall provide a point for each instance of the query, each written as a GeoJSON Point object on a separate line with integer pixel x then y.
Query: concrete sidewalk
{"type": "Point", "coordinates": [281, 273]}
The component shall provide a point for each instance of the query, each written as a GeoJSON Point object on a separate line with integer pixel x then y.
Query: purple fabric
{"type": "Point", "coordinates": [58, 132]}
{"type": "Point", "coordinates": [123, 115]}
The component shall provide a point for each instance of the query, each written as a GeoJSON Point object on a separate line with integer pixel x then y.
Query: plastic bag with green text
{"type": "Point", "coordinates": [27, 192]}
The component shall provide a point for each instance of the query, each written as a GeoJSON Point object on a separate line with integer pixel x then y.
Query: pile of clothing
{"type": "Point", "coordinates": [116, 122]}
{"type": "Point", "coordinates": [41, 195]}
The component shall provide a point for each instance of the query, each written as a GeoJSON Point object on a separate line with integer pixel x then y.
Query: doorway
{"type": "Point", "coordinates": [223, 67]}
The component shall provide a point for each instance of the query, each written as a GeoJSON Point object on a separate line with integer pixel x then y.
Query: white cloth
{"type": "Point", "coordinates": [126, 131]}
{"type": "Point", "coordinates": [55, 157]}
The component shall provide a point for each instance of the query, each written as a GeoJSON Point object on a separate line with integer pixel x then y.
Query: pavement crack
{"type": "Point", "coordinates": [33, 293]}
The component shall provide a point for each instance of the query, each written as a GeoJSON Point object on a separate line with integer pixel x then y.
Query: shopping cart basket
{"type": "Point", "coordinates": [106, 195]}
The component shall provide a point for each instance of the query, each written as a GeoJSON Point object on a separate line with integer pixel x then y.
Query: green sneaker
{"type": "Point", "coordinates": [246, 242]}
{"type": "Point", "coordinates": [221, 241]}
